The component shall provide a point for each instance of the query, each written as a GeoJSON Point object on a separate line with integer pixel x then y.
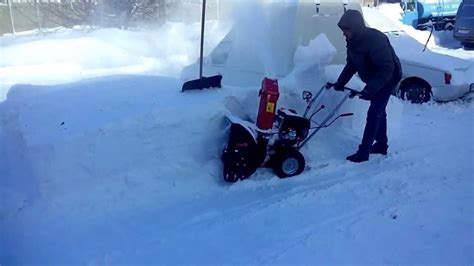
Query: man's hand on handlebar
{"type": "Point", "coordinates": [353, 94]}
{"type": "Point", "coordinates": [337, 86]}
{"type": "Point", "coordinates": [363, 95]}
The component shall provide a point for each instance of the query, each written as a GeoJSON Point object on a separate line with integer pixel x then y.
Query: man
{"type": "Point", "coordinates": [370, 54]}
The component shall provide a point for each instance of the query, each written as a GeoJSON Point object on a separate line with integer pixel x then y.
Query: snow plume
{"type": "Point", "coordinates": [264, 35]}
{"type": "Point", "coordinates": [251, 30]}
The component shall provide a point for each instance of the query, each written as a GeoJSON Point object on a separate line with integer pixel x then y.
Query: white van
{"type": "Point", "coordinates": [464, 28]}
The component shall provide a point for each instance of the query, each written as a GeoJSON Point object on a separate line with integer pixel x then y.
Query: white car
{"type": "Point", "coordinates": [426, 74]}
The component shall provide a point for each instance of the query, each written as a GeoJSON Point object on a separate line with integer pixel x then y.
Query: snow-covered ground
{"type": "Point", "coordinates": [103, 161]}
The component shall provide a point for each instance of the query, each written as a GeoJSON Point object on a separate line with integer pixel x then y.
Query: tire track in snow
{"type": "Point", "coordinates": [303, 236]}
{"type": "Point", "coordinates": [302, 187]}
{"type": "Point", "coordinates": [253, 208]}
{"type": "Point", "coordinates": [394, 193]}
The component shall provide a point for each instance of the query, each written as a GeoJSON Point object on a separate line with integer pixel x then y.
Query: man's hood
{"type": "Point", "coordinates": [353, 21]}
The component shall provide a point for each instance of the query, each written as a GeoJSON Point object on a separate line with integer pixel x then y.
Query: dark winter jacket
{"type": "Point", "coordinates": [370, 54]}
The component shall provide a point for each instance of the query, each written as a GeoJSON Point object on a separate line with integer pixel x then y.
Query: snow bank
{"type": "Point", "coordinates": [129, 133]}
{"type": "Point", "coordinates": [70, 55]}
{"type": "Point", "coordinates": [126, 128]}
{"type": "Point", "coordinates": [309, 63]}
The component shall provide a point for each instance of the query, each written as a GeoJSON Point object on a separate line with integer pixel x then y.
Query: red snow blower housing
{"type": "Point", "coordinates": [276, 139]}
{"type": "Point", "coordinates": [268, 99]}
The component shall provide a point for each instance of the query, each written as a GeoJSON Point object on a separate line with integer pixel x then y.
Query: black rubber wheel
{"type": "Point", "coordinates": [415, 92]}
{"type": "Point", "coordinates": [449, 27]}
{"type": "Point", "coordinates": [288, 163]}
{"type": "Point", "coordinates": [467, 46]}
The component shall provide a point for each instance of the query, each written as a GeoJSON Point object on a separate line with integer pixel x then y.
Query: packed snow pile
{"type": "Point", "coordinates": [63, 55]}
{"type": "Point", "coordinates": [109, 128]}
{"type": "Point", "coordinates": [310, 63]}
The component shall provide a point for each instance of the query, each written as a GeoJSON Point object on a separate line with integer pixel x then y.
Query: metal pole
{"type": "Point", "coordinates": [38, 14]}
{"type": "Point", "coordinates": [203, 19]}
{"type": "Point", "coordinates": [11, 16]}
{"type": "Point", "coordinates": [102, 8]}
{"type": "Point", "coordinates": [218, 11]}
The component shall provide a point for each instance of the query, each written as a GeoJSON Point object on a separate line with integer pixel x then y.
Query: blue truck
{"type": "Point", "coordinates": [422, 14]}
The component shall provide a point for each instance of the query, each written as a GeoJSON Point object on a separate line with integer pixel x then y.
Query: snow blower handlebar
{"type": "Point", "coordinates": [329, 118]}
{"type": "Point", "coordinates": [308, 96]}
{"type": "Point", "coordinates": [334, 120]}
{"type": "Point", "coordinates": [352, 92]}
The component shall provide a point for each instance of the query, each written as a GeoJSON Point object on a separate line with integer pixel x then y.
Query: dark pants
{"type": "Point", "coordinates": [376, 124]}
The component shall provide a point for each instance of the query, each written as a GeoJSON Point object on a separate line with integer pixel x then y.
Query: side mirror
{"type": "Point", "coordinates": [307, 95]}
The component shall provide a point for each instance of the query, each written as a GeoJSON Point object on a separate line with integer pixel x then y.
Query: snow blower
{"type": "Point", "coordinates": [277, 137]}
{"type": "Point", "coordinates": [202, 82]}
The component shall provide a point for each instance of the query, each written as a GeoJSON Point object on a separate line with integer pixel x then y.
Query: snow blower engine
{"type": "Point", "coordinates": [277, 137]}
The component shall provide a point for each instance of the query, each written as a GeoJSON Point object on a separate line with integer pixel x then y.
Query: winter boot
{"type": "Point", "coordinates": [358, 157]}
{"type": "Point", "coordinates": [379, 149]}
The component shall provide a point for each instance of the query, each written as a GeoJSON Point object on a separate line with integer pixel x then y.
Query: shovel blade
{"type": "Point", "coordinates": [203, 83]}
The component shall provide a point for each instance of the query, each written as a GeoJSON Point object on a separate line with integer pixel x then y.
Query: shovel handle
{"type": "Point", "coordinates": [203, 22]}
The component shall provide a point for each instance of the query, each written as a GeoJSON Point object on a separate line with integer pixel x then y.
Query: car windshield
{"type": "Point", "coordinates": [467, 11]}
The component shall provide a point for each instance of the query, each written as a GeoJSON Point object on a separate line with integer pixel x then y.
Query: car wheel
{"type": "Point", "coordinates": [287, 163]}
{"type": "Point", "coordinates": [449, 27]}
{"type": "Point", "coordinates": [468, 46]}
{"type": "Point", "coordinates": [415, 92]}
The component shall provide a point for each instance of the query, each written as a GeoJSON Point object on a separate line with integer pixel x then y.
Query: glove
{"type": "Point", "coordinates": [329, 85]}
{"type": "Point", "coordinates": [338, 86]}
{"type": "Point", "coordinates": [353, 94]}
{"type": "Point", "coordinates": [364, 95]}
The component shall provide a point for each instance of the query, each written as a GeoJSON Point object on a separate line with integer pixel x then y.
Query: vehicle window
{"type": "Point", "coordinates": [408, 5]}
{"type": "Point", "coordinates": [467, 11]}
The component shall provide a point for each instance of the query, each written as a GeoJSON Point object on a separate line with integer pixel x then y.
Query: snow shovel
{"type": "Point", "coordinates": [202, 82]}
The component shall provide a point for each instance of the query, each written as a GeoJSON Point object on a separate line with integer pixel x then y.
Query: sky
{"type": "Point", "coordinates": [104, 161]}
